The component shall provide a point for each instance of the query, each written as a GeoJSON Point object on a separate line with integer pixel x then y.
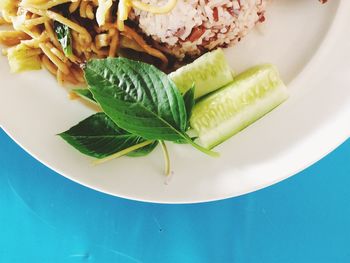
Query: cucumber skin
{"type": "Point", "coordinates": [209, 73]}
{"type": "Point", "coordinates": [251, 95]}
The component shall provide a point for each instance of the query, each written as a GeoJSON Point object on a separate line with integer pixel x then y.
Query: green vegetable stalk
{"type": "Point", "coordinates": [64, 37]}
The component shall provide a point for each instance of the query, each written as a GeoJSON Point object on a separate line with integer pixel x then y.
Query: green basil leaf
{"type": "Point", "coordinates": [189, 102]}
{"type": "Point", "coordinates": [138, 97]}
{"type": "Point", "coordinates": [85, 94]}
{"type": "Point", "coordinates": [64, 37]}
{"type": "Point", "coordinates": [99, 137]}
{"type": "Point", "coordinates": [144, 150]}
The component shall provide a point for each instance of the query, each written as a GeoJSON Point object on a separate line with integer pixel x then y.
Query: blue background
{"type": "Point", "coordinates": [47, 218]}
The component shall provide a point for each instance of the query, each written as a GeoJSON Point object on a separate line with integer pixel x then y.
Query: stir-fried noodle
{"type": "Point", "coordinates": [62, 34]}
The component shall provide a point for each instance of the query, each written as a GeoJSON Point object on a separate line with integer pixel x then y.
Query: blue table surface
{"type": "Point", "coordinates": [47, 218]}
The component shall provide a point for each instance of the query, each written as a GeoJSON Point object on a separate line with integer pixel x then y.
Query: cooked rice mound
{"type": "Point", "coordinates": [195, 26]}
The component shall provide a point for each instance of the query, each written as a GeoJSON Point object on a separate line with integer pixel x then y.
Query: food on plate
{"type": "Point", "coordinates": [64, 34]}
{"type": "Point", "coordinates": [142, 107]}
{"type": "Point", "coordinates": [195, 26]}
{"type": "Point", "coordinates": [208, 73]}
{"type": "Point", "coordinates": [22, 57]}
{"type": "Point", "coordinates": [229, 110]}
{"type": "Point", "coordinates": [90, 42]}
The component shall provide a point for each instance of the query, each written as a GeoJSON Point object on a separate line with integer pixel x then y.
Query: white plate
{"type": "Point", "coordinates": [309, 43]}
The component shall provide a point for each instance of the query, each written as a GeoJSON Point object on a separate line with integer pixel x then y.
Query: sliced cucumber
{"type": "Point", "coordinates": [231, 109]}
{"type": "Point", "coordinates": [209, 72]}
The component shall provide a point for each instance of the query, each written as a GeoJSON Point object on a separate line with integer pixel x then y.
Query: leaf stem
{"type": "Point", "coordinates": [201, 148]}
{"type": "Point", "coordinates": [122, 152]}
{"type": "Point", "coordinates": [166, 158]}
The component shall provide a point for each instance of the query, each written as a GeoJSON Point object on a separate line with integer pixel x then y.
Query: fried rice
{"type": "Point", "coordinates": [196, 26]}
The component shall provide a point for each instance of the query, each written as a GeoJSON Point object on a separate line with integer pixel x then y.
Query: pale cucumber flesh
{"type": "Point", "coordinates": [208, 73]}
{"type": "Point", "coordinates": [229, 110]}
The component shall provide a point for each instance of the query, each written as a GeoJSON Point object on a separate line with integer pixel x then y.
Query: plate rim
{"type": "Point", "coordinates": [340, 138]}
